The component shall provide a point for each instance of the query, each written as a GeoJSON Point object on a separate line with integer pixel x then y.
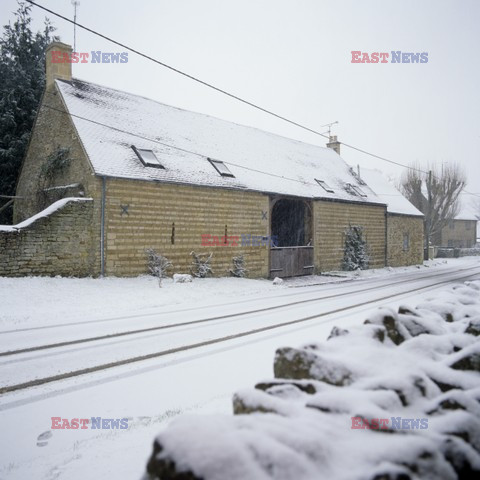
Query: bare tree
{"type": "Point", "coordinates": [435, 193]}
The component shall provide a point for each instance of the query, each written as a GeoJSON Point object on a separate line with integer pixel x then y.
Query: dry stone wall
{"type": "Point", "coordinates": [60, 243]}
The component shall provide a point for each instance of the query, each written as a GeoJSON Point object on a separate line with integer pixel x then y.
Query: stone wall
{"type": "Point", "coordinates": [394, 398]}
{"type": "Point", "coordinates": [141, 215]}
{"type": "Point", "coordinates": [60, 243]}
{"type": "Point", "coordinates": [402, 251]}
{"type": "Point", "coordinates": [331, 219]}
{"type": "Point", "coordinates": [173, 218]}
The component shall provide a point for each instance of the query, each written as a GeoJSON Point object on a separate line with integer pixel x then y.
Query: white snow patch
{"type": "Point", "coordinates": [44, 213]}
{"type": "Point", "coordinates": [295, 435]}
{"type": "Point", "coordinates": [182, 278]}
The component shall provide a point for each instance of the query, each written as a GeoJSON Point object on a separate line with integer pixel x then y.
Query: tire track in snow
{"type": "Point", "coordinates": [405, 277]}
{"type": "Point", "coordinates": [218, 317]}
{"type": "Point", "coordinates": [105, 366]}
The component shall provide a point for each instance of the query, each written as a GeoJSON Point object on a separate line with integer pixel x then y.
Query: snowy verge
{"type": "Point", "coordinates": [80, 299]}
{"type": "Point", "coordinates": [44, 213]}
{"type": "Point", "coordinates": [395, 398]}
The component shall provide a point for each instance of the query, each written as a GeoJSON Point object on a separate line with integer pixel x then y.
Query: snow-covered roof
{"type": "Point", "coordinates": [183, 142]}
{"type": "Point", "coordinates": [468, 210]}
{"type": "Point", "coordinates": [386, 191]}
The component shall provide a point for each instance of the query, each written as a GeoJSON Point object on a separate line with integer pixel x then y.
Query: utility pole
{"type": "Point", "coordinates": [428, 220]}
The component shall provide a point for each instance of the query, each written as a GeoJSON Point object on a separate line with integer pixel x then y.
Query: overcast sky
{"type": "Point", "coordinates": [294, 57]}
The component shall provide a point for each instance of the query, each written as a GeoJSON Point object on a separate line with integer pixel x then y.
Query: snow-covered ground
{"type": "Point", "coordinates": [414, 374]}
{"type": "Point", "coordinates": [36, 301]}
{"type": "Point", "coordinates": [152, 392]}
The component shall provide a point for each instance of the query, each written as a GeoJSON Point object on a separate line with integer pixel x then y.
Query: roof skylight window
{"type": "Point", "coordinates": [325, 186]}
{"type": "Point", "coordinates": [221, 168]}
{"type": "Point", "coordinates": [354, 190]}
{"type": "Point", "coordinates": [147, 157]}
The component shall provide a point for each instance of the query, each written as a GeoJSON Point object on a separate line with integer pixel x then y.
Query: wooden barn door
{"type": "Point", "coordinates": [291, 261]}
{"type": "Point", "coordinates": [291, 225]}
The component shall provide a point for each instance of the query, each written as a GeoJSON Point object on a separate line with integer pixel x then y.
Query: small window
{"type": "Point", "coordinates": [451, 225]}
{"type": "Point", "coordinates": [221, 168]}
{"type": "Point", "coordinates": [468, 225]}
{"type": "Point", "coordinates": [147, 157]}
{"type": "Point", "coordinates": [450, 243]}
{"type": "Point", "coordinates": [354, 190]}
{"type": "Point", "coordinates": [325, 186]}
{"type": "Point", "coordinates": [406, 242]}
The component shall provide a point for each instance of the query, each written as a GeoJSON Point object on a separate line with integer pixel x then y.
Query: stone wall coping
{"type": "Point", "coordinates": [54, 207]}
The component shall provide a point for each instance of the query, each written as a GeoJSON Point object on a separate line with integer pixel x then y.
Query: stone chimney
{"type": "Point", "coordinates": [334, 144]}
{"type": "Point", "coordinates": [58, 62]}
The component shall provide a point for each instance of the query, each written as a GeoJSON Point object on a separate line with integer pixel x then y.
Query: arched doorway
{"type": "Point", "coordinates": [291, 227]}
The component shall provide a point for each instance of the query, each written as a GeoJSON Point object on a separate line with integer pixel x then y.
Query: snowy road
{"type": "Point", "coordinates": [52, 353]}
{"type": "Point", "coordinates": [152, 391]}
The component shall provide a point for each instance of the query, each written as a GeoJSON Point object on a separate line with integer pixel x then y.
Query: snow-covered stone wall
{"type": "Point", "coordinates": [397, 398]}
{"type": "Point", "coordinates": [60, 240]}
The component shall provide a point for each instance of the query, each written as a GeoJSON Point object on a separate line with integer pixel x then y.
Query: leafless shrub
{"type": "Point", "coordinates": [157, 264]}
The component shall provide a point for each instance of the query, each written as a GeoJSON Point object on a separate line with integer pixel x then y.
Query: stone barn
{"type": "Point", "coordinates": [109, 174]}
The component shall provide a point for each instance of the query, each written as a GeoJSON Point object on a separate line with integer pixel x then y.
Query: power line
{"type": "Point", "coordinates": [65, 112]}
{"type": "Point", "coordinates": [235, 97]}
{"type": "Point", "coordinates": [180, 72]}
{"type": "Point", "coordinates": [220, 90]}
{"type": "Point", "coordinates": [174, 147]}
{"type": "Point", "coordinates": [384, 159]}
{"type": "Point", "coordinates": [143, 137]}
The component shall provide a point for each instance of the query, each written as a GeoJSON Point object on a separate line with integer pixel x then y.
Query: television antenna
{"type": "Point", "coordinates": [329, 125]}
{"type": "Point", "coordinates": [75, 4]}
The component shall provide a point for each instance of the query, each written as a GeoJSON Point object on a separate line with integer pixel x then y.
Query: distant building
{"type": "Point", "coordinates": [460, 232]}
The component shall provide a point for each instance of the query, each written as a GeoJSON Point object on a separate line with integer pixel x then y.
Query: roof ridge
{"type": "Point", "coordinates": [75, 79]}
{"type": "Point", "coordinates": [260, 161]}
